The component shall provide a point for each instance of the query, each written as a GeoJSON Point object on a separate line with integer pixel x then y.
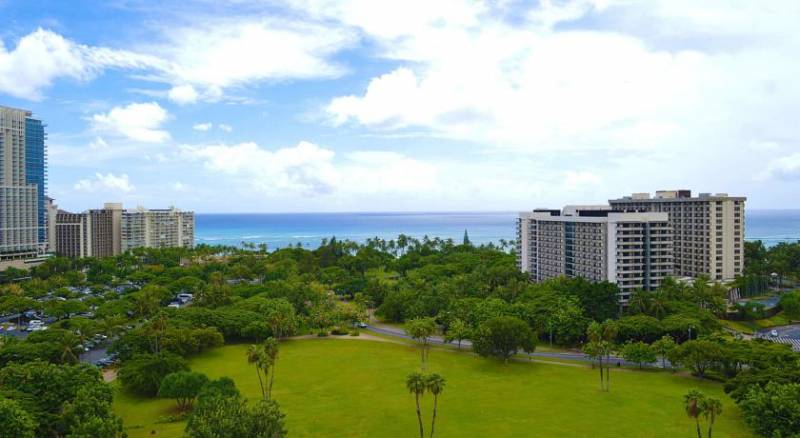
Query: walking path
{"type": "Point", "coordinates": [573, 356]}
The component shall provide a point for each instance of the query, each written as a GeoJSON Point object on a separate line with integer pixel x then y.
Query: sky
{"type": "Point", "coordinates": [414, 105]}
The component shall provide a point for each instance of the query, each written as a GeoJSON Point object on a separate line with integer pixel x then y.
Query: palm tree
{"type": "Point", "coordinates": [693, 403]}
{"type": "Point", "coordinates": [271, 350]}
{"type": "Point", "coordinates": [658, 305]}
{"type": "Point", "coordinates": [435, 385]}
{"type": "Point", "coordinates": [639, 302]}
{"type": "Point", "coordinates": [712, 408]}
{"type": "Point", "coordinates": [417, 384]}
{"type": "Point", "coordinates": [255, 356]}
{"type": "Point", "coordinates": [402, 243]}
{"type": "Point", "coordinates": [67, 346]}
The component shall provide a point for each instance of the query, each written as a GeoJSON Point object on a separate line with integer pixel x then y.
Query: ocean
{"type": "Point", "coordinates": [308, 229]}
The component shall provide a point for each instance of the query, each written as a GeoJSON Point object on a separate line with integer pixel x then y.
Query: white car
{"type": "Point", "coordinates": [35, 325]}
{"type": "Point", "coordinates": [774, 333]}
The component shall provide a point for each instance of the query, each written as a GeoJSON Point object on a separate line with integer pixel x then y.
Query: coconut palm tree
{"type": "Point", "coordinates": [271, 350]}
{"type": "Point", "coordinates": [255, 356]}
{"type": "Point", "coordinates": [435, 385]}
{"type": "Point", "coordinates": [67, 346]}
{"type": "Point", "coordinates": [416, 383]}
{"type": "Point", "coordinates": [712, 408]}
{"type": "Point", "coordinates": [639, 302]}
{"type": "Point", "coordinates": [693, 403]}
{"type": "Point", "coordinates": [658, 304]}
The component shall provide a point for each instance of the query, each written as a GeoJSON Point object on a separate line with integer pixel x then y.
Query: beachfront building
{"type": "Point", "coordinates": [93, 233]}
{"type": "Point", "coordinates": [632, 250]}
{"type": "Point", "coordinates": [159, 228]}
{"type": "Point", "coordinates": [708, 229]}
{"type": "Point", "coordinates": [112, 230]}
{"type": "Point", "coordinates": [23, 179]}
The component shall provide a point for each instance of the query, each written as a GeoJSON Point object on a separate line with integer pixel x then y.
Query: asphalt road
{"type": "Point", "coordinates": [786, 331]}
{"type": "Point", "coordinates": [580, 357]}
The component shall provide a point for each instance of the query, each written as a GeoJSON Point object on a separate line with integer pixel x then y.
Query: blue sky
{"type": "Point", "coordinates": [366, 105]}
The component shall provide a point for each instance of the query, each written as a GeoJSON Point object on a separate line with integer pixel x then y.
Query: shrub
{"type": "Point", "coordinates": [338, 331]}
{"type": "Point", "coordinates": [183, 386]}
{"type": "Point", "coordinates": [143, 374]}
{"type": "Point", "coordinates": [773, 410]}
{"type": "Point", "coordinates": [790, 303]}
{"type": "Point", "coordinates": [503, 337]}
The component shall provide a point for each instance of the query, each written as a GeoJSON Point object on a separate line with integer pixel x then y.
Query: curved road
{"type": "Point", "coordinates": [581, 357]}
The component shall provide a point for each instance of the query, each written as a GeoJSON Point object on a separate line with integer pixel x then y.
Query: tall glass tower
{"type": "Point", "coordinates": [23, 185]}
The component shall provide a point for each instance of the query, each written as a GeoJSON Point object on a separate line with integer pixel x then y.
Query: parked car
{"type": "Point", "coordinates": [362, 325]}
{"type": "Point", "coordinates": [35, 325]}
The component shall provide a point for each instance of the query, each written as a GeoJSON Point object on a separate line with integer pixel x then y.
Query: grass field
{"type": "Point", "coordinates": [356, 388]}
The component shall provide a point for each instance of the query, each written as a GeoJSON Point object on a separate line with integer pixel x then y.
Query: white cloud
{"type": "Point", "coordinates": [105, 183]}
{"type": "Point", "coordinates": [670, 78]}
{"type": "Point", "coordinates": [218, 53]}
{"type": "Point", "coordinates": [98, 144]}
{"type": "Point", "coordinates": [199, 60]}
{"type": "Point", "coordinates": [224, 127]}
{"type": "Point", "coordinates": [202, 126]}
{"type": "Point", "coordinates": [183, 94]}
{"type": "Point", "coordinates": [581, 179]}
{"type": "Point", "coordinates": [783, 168]}
{"type": "Point", "coordinates": [43, 56]}
{"type": "Point", "coordinates": [137, 121]}
{"type": "Point", "coordinates": [309, 169]}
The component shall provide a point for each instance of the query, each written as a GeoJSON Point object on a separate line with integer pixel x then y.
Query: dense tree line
{"type": "Point", "coordinates": [463, 291]}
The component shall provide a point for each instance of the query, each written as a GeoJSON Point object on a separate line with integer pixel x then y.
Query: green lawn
{"type": "Point", "coordinates": [347, 387]}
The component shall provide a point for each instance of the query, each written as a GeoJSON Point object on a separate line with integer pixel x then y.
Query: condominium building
{"type": "Point", "coordinates": [72, 235]}
{"type": "Point", "coordinates": [111, 230]}
{"type": "Point", "coordinates": [160, 228]}
{"type": "Point", "coordinates": [23, 178]}
{"type": "Point", "coordinates": [93, 233]}
{"type": "Point", "coordinates": [632, 250]}
{"type": "Point", "coordinates": [708, 229]}
{"type": "Point", "coordinates": [105, 229]}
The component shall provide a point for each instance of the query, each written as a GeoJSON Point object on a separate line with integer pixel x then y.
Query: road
{"type": "Point", "coordinates": [787, 334]}
{"type": "Point", "coordinates": [576, 356]}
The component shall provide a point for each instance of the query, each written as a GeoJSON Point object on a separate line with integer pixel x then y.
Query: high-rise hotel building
{"type": "Point", "coordinates": [112, 230]}
{"type": "Point", "coordinates": [636, 241]}
{"type": "Point", "coordinates": [632, 250]}
{"type": "Point", "coordinates": [93, 233]}
{"type": "Point", "coordinates": [708, 229]}
{"type": "Point", "coordinates": [23, 179]}
{"type": "Point", "coordinates": [157, 228]}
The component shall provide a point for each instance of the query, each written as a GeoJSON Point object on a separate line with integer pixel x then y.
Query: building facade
{"type": "Point", "coordinates": [93, 233]}
{"type": "Point", "coordinates": [23, 181]}
{"type": "Point", "coordinates": [632, 250]}
{"type": "Point", "coordinates": [159, 228]}
{"type": "Point", "coordinates": [111, 230]}
{"type": "Point", "coordinates": [72, 235]}
{"type": "Point", "coordinates": [709, 230]}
